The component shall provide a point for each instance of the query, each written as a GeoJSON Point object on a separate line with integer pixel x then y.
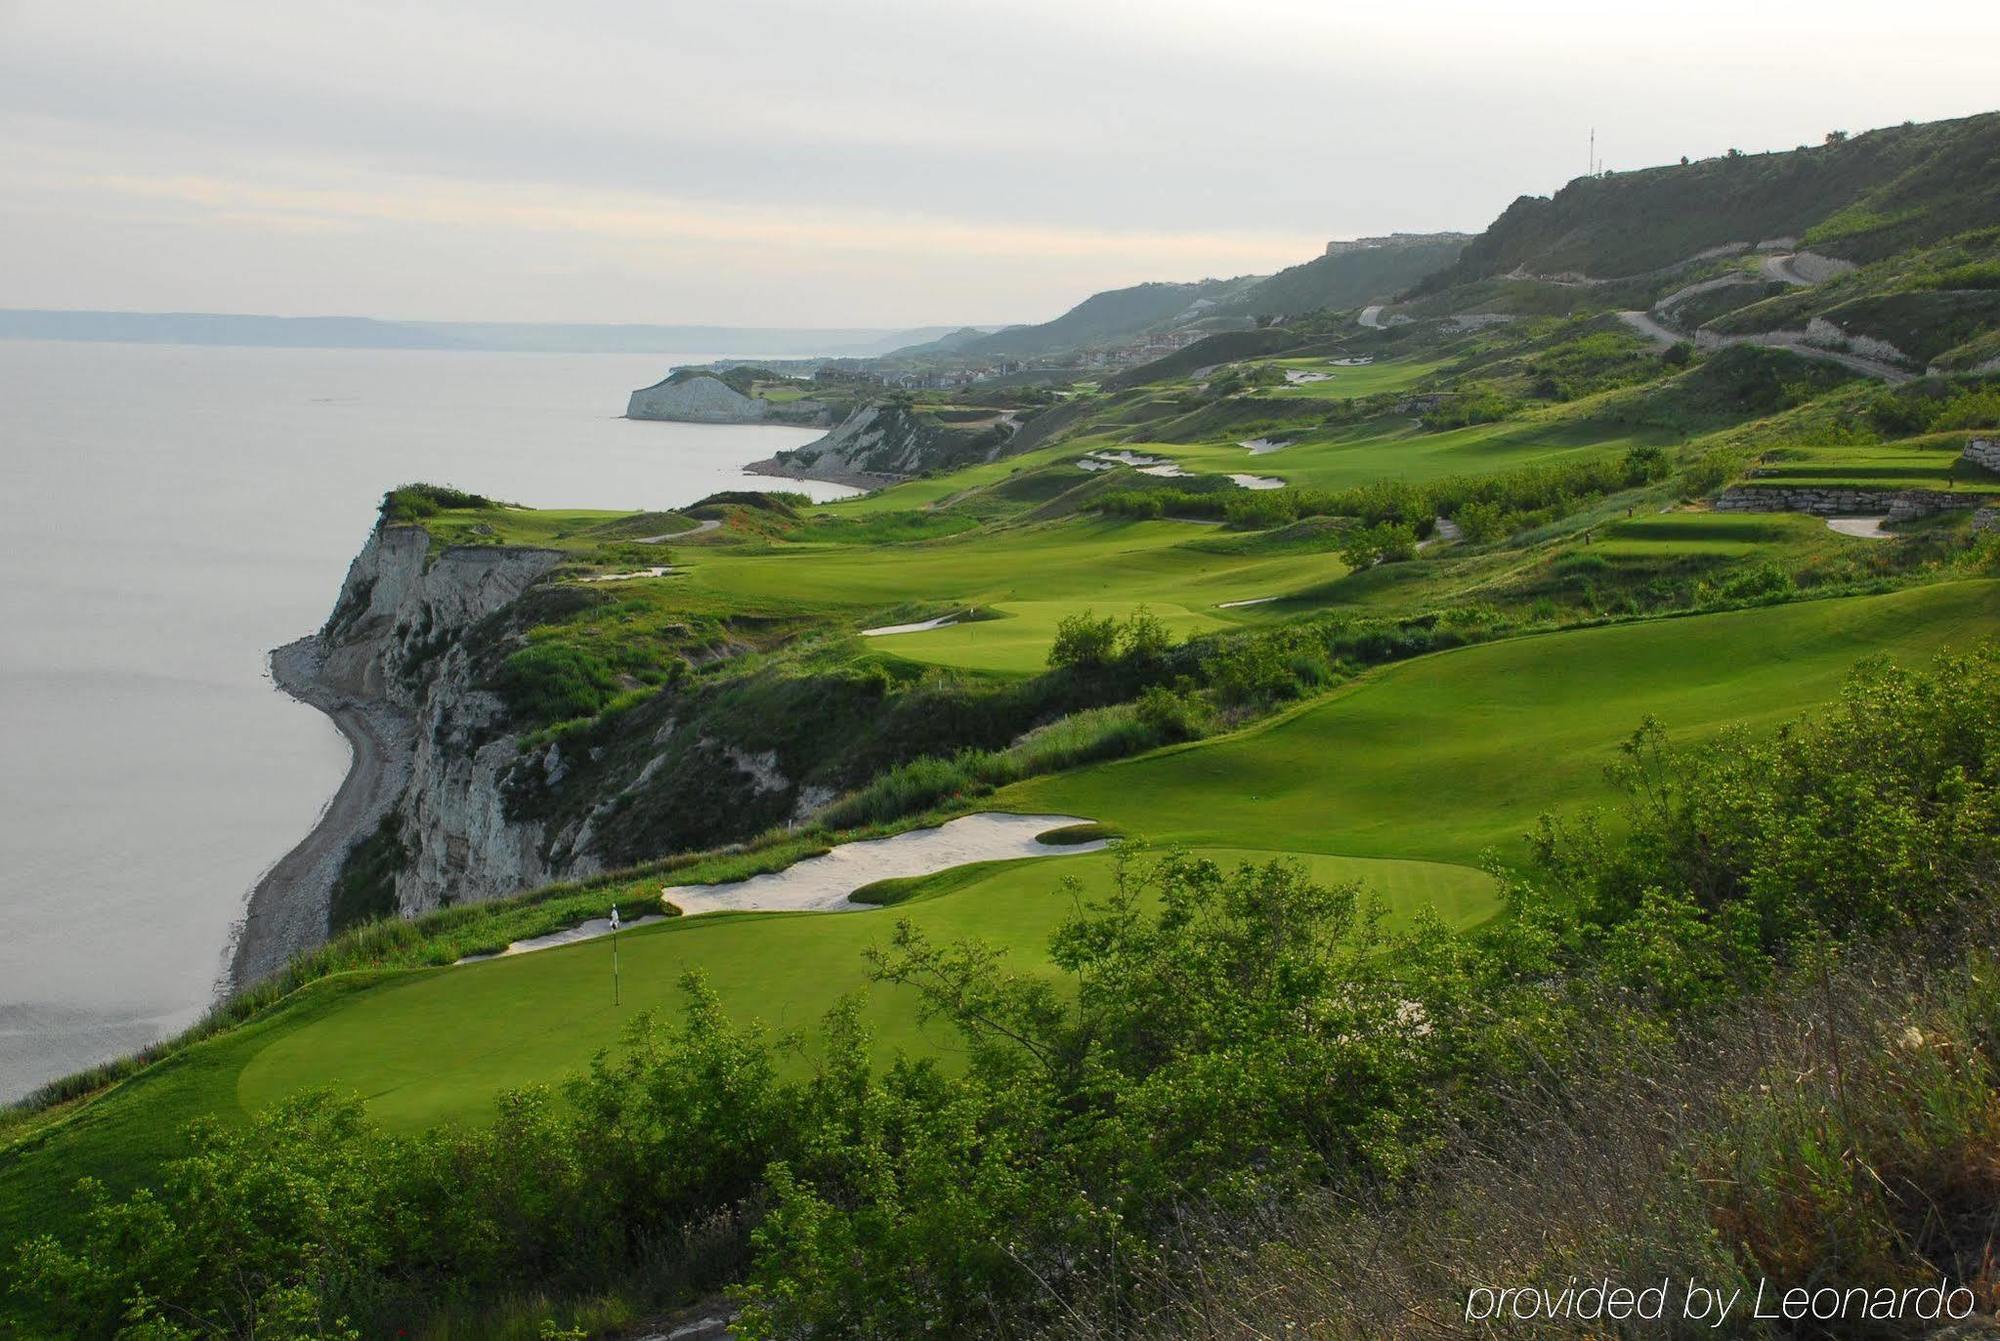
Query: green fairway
{"type": "Point", "coordinates": [1450, 755]}
{"type": "Point", "coordinates": [1727, 534]}
{"type": "Point", "coordinates": [440, 1044]}
{"type": "Point", "coordinates": [1368, 380]}
{"type": "Point", "coordinates": [1400, 448]}
{"type": "Point", "coordinates": [1031, 576]}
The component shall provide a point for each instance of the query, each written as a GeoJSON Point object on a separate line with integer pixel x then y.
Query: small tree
{"type": "Point", "coordinates": [1144, 638]}
{"type": "Point", "coordinates": [1481, 522]}
{"type": "Point", "coordinates": [1084, 642]}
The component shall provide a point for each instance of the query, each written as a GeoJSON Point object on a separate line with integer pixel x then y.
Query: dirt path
{"type": "Point", "coordinates": [287, 910]}
{"type": "Point", "coordinates": [1644, 324]}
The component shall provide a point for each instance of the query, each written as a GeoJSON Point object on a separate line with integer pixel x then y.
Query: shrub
{"type": "Point", "coordinates": [548, 682]}
{"type": "Point", "coordinates": [1084, 642]}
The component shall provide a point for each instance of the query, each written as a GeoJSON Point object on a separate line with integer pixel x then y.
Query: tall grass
{"type": "Point", "coordinates": [1841, 1128]}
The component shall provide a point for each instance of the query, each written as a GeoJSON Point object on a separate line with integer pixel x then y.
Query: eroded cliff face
{"type": "Point", "coordinates": [397, 637]}
{"type": "Point", "coordinates": [709, 400]}
{"type": "Point", "coordinates": [884, 441]}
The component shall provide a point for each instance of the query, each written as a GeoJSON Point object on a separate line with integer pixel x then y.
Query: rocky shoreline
{"type": "Point", "coordinates": [287, 910]}
{"type": "Point", "coordinates": [853, 479]}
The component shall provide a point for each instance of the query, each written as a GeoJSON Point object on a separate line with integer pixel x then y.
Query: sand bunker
{"type": "Point", "coordinates": [923, 626]}
{"type": "Point", "coordinates": [1863, 528]}
{"type": "Point", "coordinates": [823, 883]}
{"type": "Point", "coordinates": [582, 931]}
{"type": "Point", "coordinates": [1238, 605]}
{"type": "Point", "coordinates": [1258, 481]}
{"type": "Point", "coordinates": [658, 570]}
{"type": "Point", "coordinates": [1304, 377]}
{"type": "Point", "coordinates": [1259, 446]}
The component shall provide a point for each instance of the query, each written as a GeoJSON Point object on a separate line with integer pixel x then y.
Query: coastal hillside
{"type": "Point", "coordinates": [737, 395]}
{"type": "Point", "coordinates": [1110, 317]}
{"type": "Point", "coordinates": [1193, 849]}
{"type": "Point", "coordinates": [1351, 274]}
{"type": "Point", "coordinates": [1858, 198]}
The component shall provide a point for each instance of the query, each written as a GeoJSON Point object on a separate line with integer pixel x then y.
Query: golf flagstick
{"type": "Point", "coordinates": [614, 955]}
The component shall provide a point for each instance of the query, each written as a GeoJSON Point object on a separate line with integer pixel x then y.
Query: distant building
{"type": "Point", "coordinates": [1342, 248]}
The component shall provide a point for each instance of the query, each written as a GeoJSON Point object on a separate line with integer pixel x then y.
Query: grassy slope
{"type": "Point", "coordinates": [1449, 755]}
{"type": "Point", "coordinates": [1032, 576]}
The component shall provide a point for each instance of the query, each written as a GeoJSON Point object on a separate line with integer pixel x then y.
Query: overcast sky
{"type": "Point", "coordinates": [820, 163]}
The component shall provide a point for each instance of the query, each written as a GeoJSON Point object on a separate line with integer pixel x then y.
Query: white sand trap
{"type": "Point", "coordinates": [1125, 458]}
{"type": "Point", "coordinates": [1361, 362]}
{"type": "Point", "coordinates": [924, 626]}
{"type": "Point", "coordinates": [1092, 463]}
{"type": "Point", "coordinates": [659, 570]}
{"type": "Point", "coordinates": [1259, 446]}
{"type": "Point", "coordinates": [1305, 377]}
{"type": "Point", "coordinates": [1258, 481]}
{"type": "Point", "coordinates": [1170, 470]}
{"type": "Point", "coordinates": [1238, 605]}
{"type": "Point", "coordinates": [1863, 528]}
{"type": "Point", "coordinates": [582, 931]}
{"type": "Point", "coordinates": [823, 883]}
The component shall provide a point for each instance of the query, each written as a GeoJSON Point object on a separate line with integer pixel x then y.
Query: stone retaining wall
{"type": "Point", "coordinates": [1984, 452]}
{"type": "Point", "coordinates": [1901, 505]}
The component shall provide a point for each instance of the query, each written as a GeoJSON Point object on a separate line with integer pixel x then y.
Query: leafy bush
{"type": "Point", "coordinates": [555, 682]}
{"type": "Point", "coordinates": [1084, 642]}
{"type": "Point", "coordinates": [414, 502]}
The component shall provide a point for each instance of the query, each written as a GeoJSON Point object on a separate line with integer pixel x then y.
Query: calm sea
{"type": "Point", "coordinates": [167, 514]}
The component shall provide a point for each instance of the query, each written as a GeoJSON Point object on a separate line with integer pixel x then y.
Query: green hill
{"type": "Point", "coordinates": [1861, 198]}
{"type": "Point", "coordinates": [1373, 271]}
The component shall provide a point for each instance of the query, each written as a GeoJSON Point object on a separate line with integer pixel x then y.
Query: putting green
{"type": "Point", "coordinates": [1019, 639]}
{"type": "Point", "coordinates": [439, 1044]}
{"type": "Point", "coordinates": [1367, 380]}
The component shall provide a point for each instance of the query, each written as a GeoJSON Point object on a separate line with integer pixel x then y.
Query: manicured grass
{"type": "Point", "coordinates": [1031, 575]}
{"type": "Point", "coordinates": [1884, 467]}
{"type": "Point", "coordinates": [1727, 535]}
{"type": "Point", "coordinates": [1450, 755]}
{"type": "Point", "coordinates": [440, 1044]}
{"type": "Point", "coordinates": [934, 489]}
{"type": "Point", "coordinates": [1400, 448]}
{"type": "Point", "coordinates": [1369, 380]}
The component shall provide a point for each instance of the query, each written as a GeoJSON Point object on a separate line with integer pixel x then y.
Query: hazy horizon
{"type": "Point", "coordinates": [782, 165]}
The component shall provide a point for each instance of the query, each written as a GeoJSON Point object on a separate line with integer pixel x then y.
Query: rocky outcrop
{"type": "Point", "coordinates": [1984, 453]}
{"type": "Point", "coordinates": [396, 636]}
{"type": "Point", "coordinates": [389, 668]}
{"type": "Point", "coordinates": [1896, 505]}
{"type": "Point", "coordinates": [702, 399]}
{"type": "Point", "coordinates": [885, 441]}
{"type": "Point", "coordinates": [398, 605]}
